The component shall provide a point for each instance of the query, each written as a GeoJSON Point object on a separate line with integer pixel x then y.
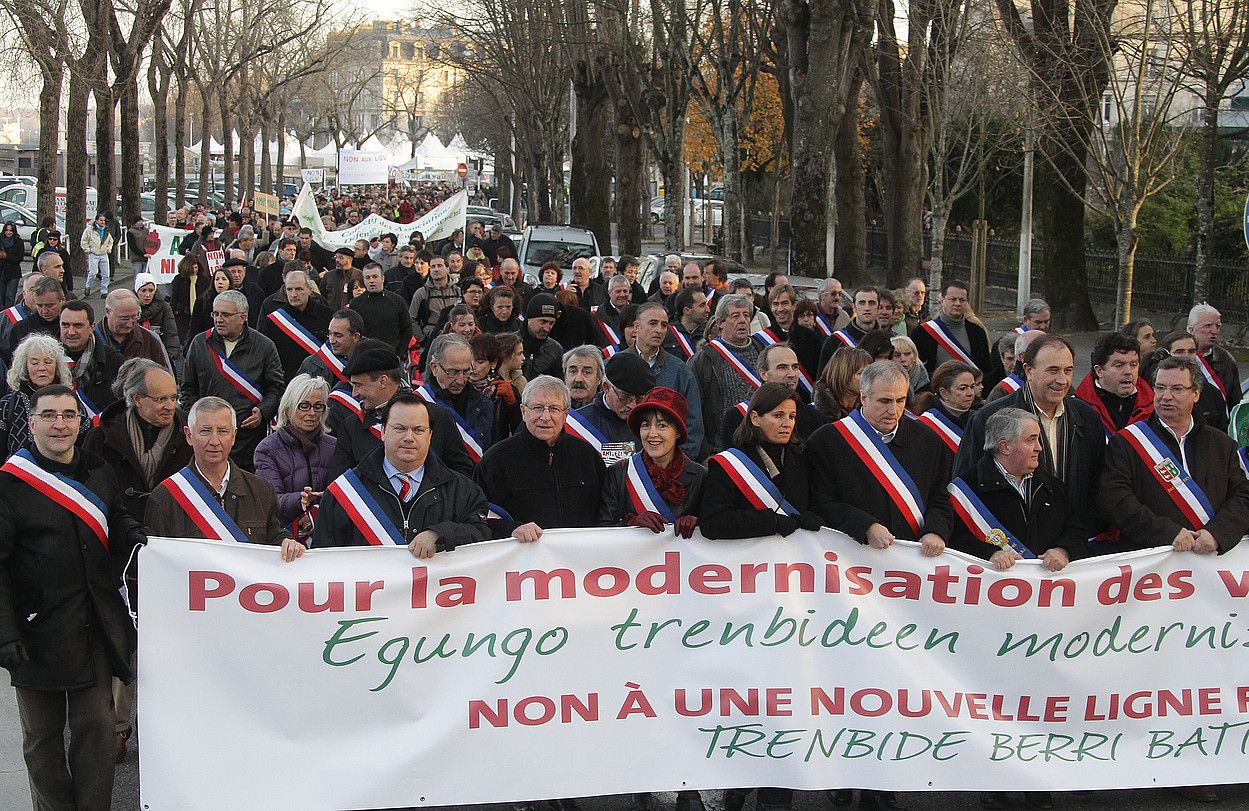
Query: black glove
{"type": "Point", "coordinates": [13, 655]}
{"type": "Point", "coordinates": [810, 520]}
{"type": "Point", "coordinates": [784, 525]}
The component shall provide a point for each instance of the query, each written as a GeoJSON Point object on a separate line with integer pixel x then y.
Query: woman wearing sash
{"type": "Point", "coordinates": [39, 361]}
{"type": "Point", "coordinates": [950, 404]}
{"type": "Point", "coordinates": [659, 485]}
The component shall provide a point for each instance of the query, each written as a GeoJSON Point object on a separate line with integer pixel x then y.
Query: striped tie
{"type": "Point", "coordinates": [405, 488]}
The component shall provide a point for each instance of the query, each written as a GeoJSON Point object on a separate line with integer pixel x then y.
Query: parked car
{"type": "Point", "coordinates": [23, 218]}
{"type": "Point", "coordinates": [555, 243]}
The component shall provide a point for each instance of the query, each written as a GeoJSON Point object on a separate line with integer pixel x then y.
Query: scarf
{"type": "Point", "coordinates": [150, 459]}
{"type": "Point", "coordinates": [665, 478]}
{"type": "Point", "coordinates": [307, 441]}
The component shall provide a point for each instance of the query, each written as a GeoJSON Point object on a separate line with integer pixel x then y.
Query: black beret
{"type": "Point", "coordinates": [346, 252]}
{"type": "Point", "coordinates": [371, 355]}
{"type": "Point", "coordinates": [630, 373]}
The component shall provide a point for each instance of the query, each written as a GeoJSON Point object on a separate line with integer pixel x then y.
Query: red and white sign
{"type": "Point", "coordinates": [462, 170]}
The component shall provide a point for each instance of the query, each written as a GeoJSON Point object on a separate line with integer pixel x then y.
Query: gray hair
{"type": "Point", "coordinates": [438, 349]}
{"type": "Point", "coordinates": [209, 405]}
{"type": "Point", "coordinates": [584, 351]}
{"type": "Point", "coordinates": [1006, 425]}
{"type": "Point", "coordinates": [1023, 339]}
{"type": "Point", "coordinates": [647, 306]}
{"type": "Point", "coordinates": [733, 301]}
{"type": "Point", "coordinates": [902, 340]}
{"type": "Point", "coordinates": [116, 295]}
{"type": "Point", "coordinates": [1198, 311]}
{"type": "Point", "coordinates": [246, 232]}
{"type": "Point", "coordinates": [47, 285]}
{"type": "Point", "coordinates": [509, 262]}
{"type": "Point", "coordinates": [291, 273]}
{"type": "Point", "coordinates": [234, 297]}
{"type": "Point", "coordinates": [672, 261]}
{"type": "Point", "coordinates": [882, 371]}
{"type": "Point", "coordinates": [131, 380]}
{"type": "Point", "coordinates": [40, 345]}
{"type": "Point", "coordinates": [1034, 307]}
{"type": "Point", "coordinates": [1183, 362]}
{"type": "Point", "coordinates": [827, 283]}
{"type": "Point", "coordinates": [545, 383]}
{"type": "Point", "coordinates": [623, 282]}
{"type": "Point", "coordinates": [671, 273]}
{"type": "Point", "coordinates": [299, 388]}
{"type": "Point", "coordinates": [45, 259]}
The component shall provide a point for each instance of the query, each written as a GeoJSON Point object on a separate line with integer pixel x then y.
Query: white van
{"type": "Point", "coordinates": [27, 197]}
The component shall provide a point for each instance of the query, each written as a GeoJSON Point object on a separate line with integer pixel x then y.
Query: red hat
{"type": "Point", "coordinates": [671, 403]}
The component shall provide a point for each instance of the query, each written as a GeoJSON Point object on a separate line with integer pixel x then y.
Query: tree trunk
{"type": "Point", "coordinates": [205, 142]}
{"type": "Point", "coordinates": [76, 168]}
{"type": "Point", "coordinates": [105, 121]}
{"type": "Point", "coordinates": [158, 89]}
{"type": "Point", "coordinates": [675, 199]}
{"type": "Point", "coordinates": [180, 144]}
{"type": "Point", "coordinates": [904, 205]}
{"type": "Point", "coordinates": [227, 155]}
{"type": "Point", "coordinates": [1061, 217]}
{"type": "Point", "coordinates": [1207, 157]}
{"type": "Point", "coordinates": [53, 75]}
{"type": "Point", "coordinates": [850, 250]}
{"type": "Point", "coordinates": [280, 169]}
{"type": "Point", "coordinates": [265, 178]}
{"type": "Point", "coordinates": [629, 189]}
{"type": "Point", "coordinates": [940, 216]}
{"type": "Point", "coordinates": [731, 213]}
{"type": "Point", "coordinates": [1127, 240]}
{"type": "Point", "coordinates": [131, 163]}
{"type": "Point", "coordinates": [590, 185]}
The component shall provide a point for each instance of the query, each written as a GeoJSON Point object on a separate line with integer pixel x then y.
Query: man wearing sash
{"type": "Point", "coordinates": [345, 330]}
{"type": "Point", "coordinates": [777, 364]}
{"type": "Point", "coordinates": [724, 367]}
{"type": "Point", "coordinates": [885, 475]}
{"type": "Point", "coordinates": [297, 328]}
{"type": "Point", "coordinates": [1172, 479]}
{"type": "Point", "coordinates": [866, 309]}
{"type": "Point", "coordinates": [121, 330]}
{"type": "Point", "coordinates": [1013, 378]}
{"type": "Point", "coordinates": [950, 336]}
{"type": "Point", "coordinates": [1115, 388]}
{"type": "Point", "coordinates": [542, 477]}
{"type": "Point", "coordinates": [603, 423]}
{"type": "Point", "coordinates": [1007, 508]}
{"type": "Point", "coordinates": [93, 363]}
{"type": "Point", "coordinates": [23, 309]}
{"type": "Point", "coordinates": [64, 629]}
{"type": "Point", "coordinates": [450, 361]}
{"type": "Point", "coordinates": [689, 313]}
{"type": "Point", "coordinates": [376, 377]}
{"type": "Point", "coordinates": [806, 342]}
{"type": "Point", "coordinates": [830, 312]}
{"type": "Point", "coordinates": [1218, 367]}
{"type": "Point", "coordinates": [670, 370]}
{"type": "Point", "coordinates": [238, 364]}
{"type": "Point", "coordinates": [401, 494]}
{"type": "Point", "coordinates": [213, 498]}
{"type": "Point", "coordinates": [607, 321]}
{"type": "Point", "coordinates": [47, 298]}
{"type": "Point", "coordinates": [583, 373]}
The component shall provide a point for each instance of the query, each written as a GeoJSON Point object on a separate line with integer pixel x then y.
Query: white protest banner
{"type": "Point", "coordinates": [614, 661]}
{"type": "Point", "coordinates": [356, 167]}
{"type": "Point", "coordinates": [439, 223]}
{"type": "Point", "coordinates": [312, 175]}
{"type": "Point", "coordinates": [164, 263]}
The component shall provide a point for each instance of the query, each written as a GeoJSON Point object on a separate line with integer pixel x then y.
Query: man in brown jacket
{"type": "Point", "coordinates": [121, 330]}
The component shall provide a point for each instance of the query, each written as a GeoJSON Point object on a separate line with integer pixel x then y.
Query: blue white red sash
{"type": "Point", "coordinates": [581, 428]}
{"type": "Point", "coordinates": [754, 484]}
{"type": "Point", "coordinates": [824, 323]}
{"type": "Point", "coordinates": [613, 337]}
{"type": "Point", "coordinates": [610, 352]}
{"type": "Point", "coordinates": [767, 337]}
{"type": "Point", "coordinates": [201, 506]}
{"type": "Point", "coordinates": [1175, 480]}
{"type": "Point", "coordinates": [730, 357]}
{"type": "Point", "coordinates": [332, 362]}
{"type": "Point", "coordinates": [71, 495]}
{"type": "Point", "coordinates": [93, 413]}
{"type": "Point", "coordinates": [235, 376]}
{"type": "Point", "coordinates": [946, 341]}
{"type": "Point", "coordinates": [1207, 371]}
{"type": "Point", "coordinates": [641, 488]}
{"type": "Point", "coordinates": [889, 472]}
{"type": "Point", "coordinates": [710, 294]}
{"type": "Point", "coordinates": [494, 511]}
{"type": "Point", "coordinates": [846, 338]}
{"type": "Point", "coordinates": [345, 399]}
{"type": "Point", "coordinates": [364, 511]}
{"type": "Point", "coordinates": [945, 427]}
{"type": "Point", "coordinates": [1011, 383]}
{"type": "Point", "coordinates": [743, 408]}
{"type": "Point", "coordinates": [16, 313]}
{"type": "Point", "coordinates": [1020, 330]}
{"type": "Point", "coordinates": [293, 330]}
{"type": "Point", "coordinates": [983, 524]}
{"type": "Point", "coordinates": [687, 347]}
{"type": "Point", "coordinates": [474, 445]}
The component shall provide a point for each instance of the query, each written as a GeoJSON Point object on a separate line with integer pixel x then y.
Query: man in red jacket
{"type": "Point", "coordinates": [1115, 388]}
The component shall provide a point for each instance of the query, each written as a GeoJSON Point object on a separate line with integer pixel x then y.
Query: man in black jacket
{"type": "Point", "coordinates": [542, 477]}
{"type": "Point", "coordinates": [298, 327]}
{"type": "Point", "coordinates": [428, 506]}
{"type": "Point", "coordinates": [950, 336]}
{"type": "Point", "coordinates": [64, 630]}
{"type": "Point", "coordinates": [94, 364]}
{"type": "Point", "coordinates": [385, 314]}
{"type": "Point", "coordinates": [47, 298]}
{"type": "Point", "coordinates": [1218, 366]}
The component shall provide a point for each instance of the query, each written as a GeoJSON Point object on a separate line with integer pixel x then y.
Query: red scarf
{"type": "Point", "coordinates": [665, 478]}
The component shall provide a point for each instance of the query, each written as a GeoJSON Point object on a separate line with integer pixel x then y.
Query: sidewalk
{"type": "Point", "coordinates": [14, 790]}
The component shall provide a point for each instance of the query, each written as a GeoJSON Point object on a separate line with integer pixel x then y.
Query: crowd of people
{"type": "Point", "coordinates": [426, 395]}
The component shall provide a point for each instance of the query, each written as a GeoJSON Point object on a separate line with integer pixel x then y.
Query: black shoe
{"type": "Point", "coordinates": [994, 800]}
{"type": "Point", "coordinates": [1038, 799]}
{"type": "Point", "coordinates": [689, 800]}
{"type": "Point", "coordinates": [841, 797]}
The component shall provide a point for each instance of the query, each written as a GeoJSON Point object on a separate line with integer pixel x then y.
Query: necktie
{"type": "Point", "coordinates": [405, 487]}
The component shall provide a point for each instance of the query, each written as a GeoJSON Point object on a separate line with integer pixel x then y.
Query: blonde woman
{"type": "Point", "coordinates": [295, 459]}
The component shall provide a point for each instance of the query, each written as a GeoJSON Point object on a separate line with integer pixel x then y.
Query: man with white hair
{"type": "Point", "coordinates": [724, 367]}
{"type": "Point", "coordinates": [1036, 315]}
{"type": "Point", "coordinates": [1218, 367]}
{"type": "Point", "coordinates": [1014, 378]}
{"type": "Point", "coordinates": [591, 292]}
{"type": "Point", "coordinates": [830, 309]}
{"type": "Point", "coordinates": [121, 330]}
{"type": "Point", "coordinates": [299, 326]}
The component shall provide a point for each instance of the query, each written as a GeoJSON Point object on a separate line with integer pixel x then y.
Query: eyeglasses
{"type": "Point", "coordinates": [552, 410]}
{"type": "Point", "coordinates": [52, 416]}
{"type": "Point", "coordinates": [1174, 390]}
{"type": "Point", "coordinates": [453, 373]}
{"type": "Point", "coordinates": [317, 407]}
{"type": "Point", "coordinates": [219, 314]}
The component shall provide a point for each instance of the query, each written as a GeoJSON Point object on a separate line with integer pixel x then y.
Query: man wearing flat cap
{"type": "Point", "coordinates": [604, 422]}
{"type": "Point", "coordinates": [376, 376]}
{"type": "Point", "coordinates": [542, 352]}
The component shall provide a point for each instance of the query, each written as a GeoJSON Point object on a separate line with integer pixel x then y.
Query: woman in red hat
{"type": "Point", "coordinates": [658, 485]}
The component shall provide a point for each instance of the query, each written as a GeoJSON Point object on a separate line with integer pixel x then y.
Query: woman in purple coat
{"type": "Point", "coordinates": [295, 459]}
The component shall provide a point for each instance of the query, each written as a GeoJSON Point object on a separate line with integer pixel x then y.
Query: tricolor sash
{"type": "Point", "coordinates": [71, 495]}
{"type": "Point", "coordinates": [1175, 480]}
{"type": "Point", "coordinates": [945, 427]}
{"type": "Point", "coordinates": [983, 524]}
{"type": "Point", "coordinates": [345, 399]}
{"type": "Point", "coordinates": [846, 338]}
{"type": "Point", "coordinates": [1207, 371]}
{"type": "Point", "coordinates": [293, 330]}
{"type": "Point", "coordinates": [687, 347]}
{"type": "Point", "coordinates": [233, 374]}
{"type": "Point", "coordinates": [364, 511]}
{"type": "Point", "coordinates": [613, 337]}
{"type": "Point", "coordinates": [497, 513]}
{"type": "Point", "coordinates": [710, 294]}
{"type": "Point", "coordinates": [743, 408]}
{"type": "Point", "coordinates": [946, 341]}
{"type": "Point", "coordinates": [754, 484]}
{"type": "Point", "coordinates": [1242, 455]}
{"type": "Point", "coordinates": [610, 352]}
{"type": "Point", "coordinates": [1020, 330]}
{"type": "Point", "coordinates": [767, 337]}
{"type": "Point", "coordinates": [823, 323]}
{"type": "Point", "coordinates": [719, 346]}
{"type": "Point", "coordinates": [1011, 383]}
{"type": "Point", "coordinates": [889, 472]}
{"type": "Point", "coordinates": [376, 430]}
{"type": "Point", "coordinates": [93, 413]}
{"type": "Point", "coordinates": [332, 362]}
{"type": "Point", "coordinates": [474, 445]}
{"type": "Point", "coordinates": [201, 506]}
{"type": "Point", "coordinates": [641, 488]}
{"type": "Point", "coordinates": [581, 428]}
{"type": "Point", "coordinates": [16, 313]}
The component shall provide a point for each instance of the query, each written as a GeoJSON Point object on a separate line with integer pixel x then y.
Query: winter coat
{"type": "Point", "coordinates": [111, 440]}
{"type": "Point", "coordinates": [282, 462]}
{"type": "Point", "coordinates": [158, 319]}
{"type": "Point", "coordinates": [356, 441]}
{"type": "Point", "coordinates": [314, 317]}
{"type": "Point", "coordinates": [617, 506]}
{"type": "Point", "coordinates": [11, 264]}
{"type": "Point", "coordinates": [249, 501]}
{"type": "Point", "coordinates": [93, 243]}
{"type": "Point", "coordinates": [180, 301]}
{"type": "Point", "coordinates": [254, 354]}
{"type": "Point", "coordinates": [725, 512]}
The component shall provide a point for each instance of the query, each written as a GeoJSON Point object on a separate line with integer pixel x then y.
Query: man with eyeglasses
{"type": "Point", "coordinates": [238, 364]}
{"type": "Point", "coordinates": [604, 422]}
{"type": "Point", "coordinates": [121, 330]}
{"type": "Point", "coordinates": [47, 298]}
{"type": "Point", "coordinates": [403, 495]}
{"type": "Point", "coordinates": [93, 363]}
{"type": "Point", "coordinates": [65, 533]}
{"type": "Point", "coordinates": [450, 361]}
{"type": "Point", "coordinates": [542, 477]}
